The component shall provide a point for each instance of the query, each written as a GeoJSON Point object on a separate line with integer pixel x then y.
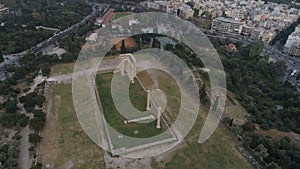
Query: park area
{"type": "Point", "coordinates": [65, 145]}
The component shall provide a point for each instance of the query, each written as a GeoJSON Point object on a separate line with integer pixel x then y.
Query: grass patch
{"type": "Point", "coordinates": [64, 142]}
{"type": "Point", "coordinates": [114, 118]}
{"type": "Point", "coordinates": [138, 99]}
{"type": "Point", "coordinates": [235, 110]}
{"type": "Point", "coordinates": [219, 152]}
{"type": "Point", "coordinates": [231, 100]}
{"type": "Point", "coordinates": [120, 15]}
{"type": "Point", "coordinates": [64, 68]}
{"type": "Point", "coordinates": [137, 96]}
{"type": "Point", "coordinates": [157, 79]}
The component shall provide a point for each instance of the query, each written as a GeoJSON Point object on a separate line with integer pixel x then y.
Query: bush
{"type": "Point", "coordinates": [67, 57]}
{"type": "Point", "coordinates": [1, 58]}
{"type": "Point", "coordinates": [248, 126]}
{"type": "Point", "coordinates": [11, 120]}
{"type": "Point", "coordinates": [227, 120]}
{"type": "Point", "coordinates": [17, 136]}
{"type": "Point", "coordinates": [11, 106]}
{"type": "Point", "coordinates": [34, 138]}
{"type": "Point", "coordinates": [265, 126]}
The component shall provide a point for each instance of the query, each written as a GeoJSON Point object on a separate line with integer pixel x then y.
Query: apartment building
{"type": "Point", "coordinates": [295, 50]}
{"type": "Point", "coordinates": [226, 25]}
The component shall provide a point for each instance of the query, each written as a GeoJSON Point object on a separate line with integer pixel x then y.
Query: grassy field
{"type": "Point", "coordinates": [63, 68]}
{"type": "Point", "coordinates": [235, 110]}
{"type": "Point", "coordinates": [156, 79]}
{"type": "Point", "coordinates": [219, 152]}
{"type": "Point", "coordinates": [67, 68]}
{"type": "Point", "coordinates": [120, 15]}
{"type": "Point", "coordinates": [116, 120]}
{"type": "Point", "coordinates": [138, 99]}
{"type": "Point", "coordinates": [65, 144]}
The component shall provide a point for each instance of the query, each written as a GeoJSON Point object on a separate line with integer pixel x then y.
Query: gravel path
{"type": "Point", "coordinates": [25, 161]}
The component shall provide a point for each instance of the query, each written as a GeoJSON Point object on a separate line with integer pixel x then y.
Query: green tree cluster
{"type": "Point", "coordinates": [38, 121]}
{"type": "Point", "coordinates": [274, 154]}
{"type": "Point", "coordinates": [31, 100]}
{"type": "Point", "coordinates": [20, 23]}
{"type": "Point", "coordinates": [1, 58]}
{"type": "Point", "coordinates": [9, 153]}
{"type": "Point", "coordinates": [283, 35]}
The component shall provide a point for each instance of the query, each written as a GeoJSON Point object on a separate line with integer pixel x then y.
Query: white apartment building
{"type": "Point", "coordinates": [226, 25]}
{"type": "Point", "coordinates": [292, 39]}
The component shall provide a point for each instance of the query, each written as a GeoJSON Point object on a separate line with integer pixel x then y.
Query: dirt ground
{"type": "Point", "coordinates": [129, 43]}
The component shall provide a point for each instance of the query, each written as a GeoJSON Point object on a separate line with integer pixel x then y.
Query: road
{"type": "Point", "coordinates": [272, 52]}
{"type": "Point", "coordinates": [276, 55]}
{"type": "Point", "coordinates": [292, 63]}
{"type": "Point", "coordinates": [12, 59]}
{"type": "Point", "coordinates": [237, 38]}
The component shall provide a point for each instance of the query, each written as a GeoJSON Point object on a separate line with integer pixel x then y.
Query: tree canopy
{"type": "Point", "coordinates": [11, 106]}
{"type": "Point", "coordinates": [20, 24]}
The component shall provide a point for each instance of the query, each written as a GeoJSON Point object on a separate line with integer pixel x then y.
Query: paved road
{"type": "Point", "coordinates": [12, 59]}
{"type": "Point", "coordinates": [291, 62]}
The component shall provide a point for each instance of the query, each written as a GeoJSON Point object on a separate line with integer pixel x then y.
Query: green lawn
{"type": "Point", "coordinates": [62, 68]}
{"type": "Point", "coordinates": [120, 15]}
{"type": "Point", "coordinates": [138, 99]}
{"type": "Point", "coordinates": [137, 96]}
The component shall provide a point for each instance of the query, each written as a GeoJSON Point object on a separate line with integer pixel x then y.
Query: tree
{"type": "Point", "coordinates": [36, 124]}
{"type": "Point", "coordinates": [10, 120]}
{"type": "Point", "coordinates": [11, 106]}
{"type": "Point", "coordinates": [153, 42]}
{"type": "Point", "coordinates": [22, 120]}
{"type": "Point", "coordinates": [203, 91]}
{"type": "Point", "coordinates": [34, 138]}
{"type": "Point", "coordinates": [273, 165]}
{"type": "Point", "coordinates": [37, 166]}
{"type": "Point", "coordinates": [1, 57]}
{"type": "Point", "coordinates": [29, 104]}
{"type": "Point", "coordinates": [32, 99]}
{"type": "Point", "coordinates": [256, 49]}
{"type": "Point", "coordinates": [283, 35]}
{"type": "Point", "coordinates": [227, 120]}
{"type": "Point", "coordinates": [46, 70]}
{"type": "Point", "coordinates": [4, 88]}
{"type": "Point", "coordinates": [67, 57]}
{"type": "Point", "coordinates": [248, 126]}
{"type": "Point", "coordinates": [168, 47]}
{"type": "Point", "coordinates": [39, 114]}
{"type": "Point", "coordinates": [123, 47]}
{"type": "Point", "coordinates": [261, 151]}
{"type": "Point", "coordinates": [3, 157]}
{"type": "Point", "coordinates": [38, 120]}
